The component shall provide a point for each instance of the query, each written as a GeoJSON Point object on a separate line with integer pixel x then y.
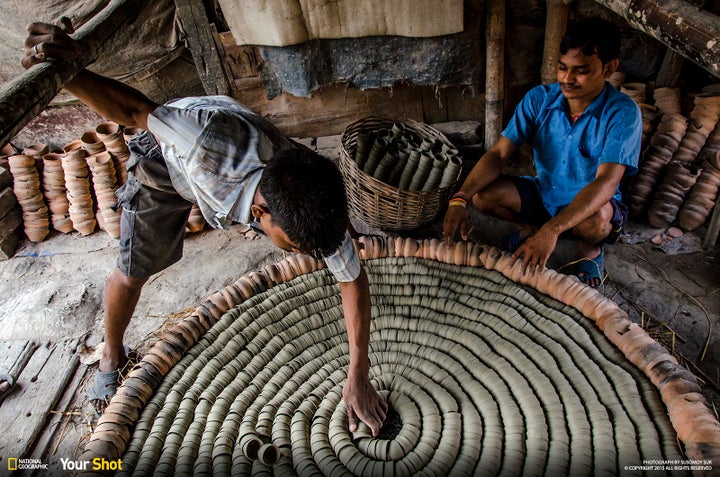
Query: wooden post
{"type": "Point", "coordinates": [713, 230]}
{"type": "Point", "coordinates": [680, 25]}
{"type": "Point", "coordinates": [27, 95]}
{"type": "Point", "coordinates": [555, 26]}
{"type": "Point", "coordinates": [193, 19]}
{"type": "Point", "coordinates": [494, 69]}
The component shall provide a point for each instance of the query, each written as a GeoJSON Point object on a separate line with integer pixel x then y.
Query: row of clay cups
{"type": "Point", "coordinates": [667, 100]}
{"type": "Point", "coordinates": [56, 193]}
{"type": "Point", "coordinates": [26, 186]}
{"type": "Point", "coordinates": [702, 198]}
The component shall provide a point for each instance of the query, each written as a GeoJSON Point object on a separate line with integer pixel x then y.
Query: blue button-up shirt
{"type": "Point", "coordinates": [215, 150]}
{"type": "Point", "coordinates": [567, 155]}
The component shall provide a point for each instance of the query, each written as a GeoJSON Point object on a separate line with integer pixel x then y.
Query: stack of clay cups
{"type": "Point", "coordinates": [703, 119]}
{"type": "Point", "coordinates": [105, 184]}
{"type": "Point", "coordinates": [667, 100]}
{"type": "Point", "coordinates": [663, 145]}
{"type": "Point", "coordinates": [113, 137]}
{"type": "Point", "coordinates": [55, 192]}
{"type": "Point", "coordinates": [703, 196]}
{"type": "Point", "coordinates": [617, 79]}
{"type": "Point", "coordinates": [670, 196]}
{"type": "Point", "coordinates": [129, 133]}
{"type": "Point", "coordinates": [26, 185]}
{"type": "Point", "coordinates": [650, 116]}
{"type": "Point", "coordinates": [636, 91]}
{"type": "Point", "coordinates": [77, 183]}
{"type": "Point", "coordinates": [711, 147]}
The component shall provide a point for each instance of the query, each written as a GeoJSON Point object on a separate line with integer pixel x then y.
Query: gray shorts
{"type": "Point", "coordinates": [154, 215]}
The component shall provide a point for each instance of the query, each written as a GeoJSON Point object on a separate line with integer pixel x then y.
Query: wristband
{"type": "Point", "coordinates": [458, 201]}
{"type": "Point", "coordinates": [461, 195]}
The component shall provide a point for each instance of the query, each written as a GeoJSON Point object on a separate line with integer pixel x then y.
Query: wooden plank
{"type": "Point", "coordinates": [27, 95]}
{"type": "Point", "coordinates": [193, 20]}
{"type": "Point", "coordinates": [38, 387]}
{"type": "Point", "coordinates": [9, 245]}
{"type": "Point", "coordinates": [10, 222]}
{"type": "Point", "coordinates": [8, 201]}
{"type": "Point", "coordinates": [62, 421]}
{"type": "Point", "coordinates": [6, 179]}
{"type": "Point", "coordinates": [332, 108]}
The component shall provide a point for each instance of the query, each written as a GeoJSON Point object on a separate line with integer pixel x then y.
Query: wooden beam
{"type": "Point", "coordinates": [26, 96]}
{"type": "Point", "coordinates": [200, 41]}
{"type": "Point", "coordinates": [555, 26]}
{"type": "Point", "coordinates": [690, 31]}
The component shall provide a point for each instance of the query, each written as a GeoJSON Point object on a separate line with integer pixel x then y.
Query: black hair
{"type": "Point", "coordinates": [594, 36]}
{"type": "Point", "coordinates": [305, 195]}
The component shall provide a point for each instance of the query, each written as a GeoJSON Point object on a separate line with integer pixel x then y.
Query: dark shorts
{"type": "Point", "coordinates": [154, 215]}
{"type": "Point", "coordinates": [533, 212]}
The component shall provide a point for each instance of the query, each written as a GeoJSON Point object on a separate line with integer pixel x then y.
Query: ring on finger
{"type": "Point", "coordinates": [35, 49]}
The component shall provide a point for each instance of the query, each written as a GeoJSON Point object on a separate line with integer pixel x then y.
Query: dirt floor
{"type": "Point", "coordinates": [53, 292]}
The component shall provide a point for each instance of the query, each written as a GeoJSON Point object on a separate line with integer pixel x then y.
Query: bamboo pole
{"type": "Point", "coordinates": [27, 95]}
{"type": "Point", "coordinates": [494, 77]}
{"type": "Point", "coordinates": [555, 25]}
{"type": "Point", "coordinates": [680, 25]}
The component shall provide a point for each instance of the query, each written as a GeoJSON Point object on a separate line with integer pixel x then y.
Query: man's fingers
{"type": "Point", "coordinates": [352, 420]}
{"type": "Point", "coordinates": [66, 25]}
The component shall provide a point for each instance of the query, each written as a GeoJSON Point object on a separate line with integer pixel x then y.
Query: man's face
{"type": "Point", "coordinates": [276, 234]}
{"type": "Point", "coordinates": [582, 77]}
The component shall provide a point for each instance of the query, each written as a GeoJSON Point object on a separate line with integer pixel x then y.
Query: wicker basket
{"type": "Point", "coordinates": [381, 205]}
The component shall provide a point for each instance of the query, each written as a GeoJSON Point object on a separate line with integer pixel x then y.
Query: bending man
{"type": "Point", "coordinates": [237, 167]}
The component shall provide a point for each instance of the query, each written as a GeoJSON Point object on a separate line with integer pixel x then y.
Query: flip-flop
{"type": "Point", "coordinates": [11, 381]}
{"type": "Point", "coordinates": [591, 271]}
{"type": "Point", "coordinates": [512, 242]}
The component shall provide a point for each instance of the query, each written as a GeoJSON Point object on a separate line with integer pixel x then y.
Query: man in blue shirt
{"type": "Point", "coordinates": [237, 167]}
{"type": "Point", "coordinates": [585, 137]}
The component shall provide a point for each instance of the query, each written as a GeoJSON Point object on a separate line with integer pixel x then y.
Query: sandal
{"type": "Point", "coordinates": [11, 385]}
{"type": "Point", "coordinates": [105, 384]}
{"type": "Point", "coordinates": [512, 242]}
{"type": "Point", "coordinates": [104, 387]}
{"type": "Point", "coordinates": [591, 271]}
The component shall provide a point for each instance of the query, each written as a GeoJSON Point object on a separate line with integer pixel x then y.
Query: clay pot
{"type": "Point", "coordinates": [91, 143]}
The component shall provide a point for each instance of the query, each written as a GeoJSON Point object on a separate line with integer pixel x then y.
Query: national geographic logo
{"type": "Point", "coordinates": [14, 463]}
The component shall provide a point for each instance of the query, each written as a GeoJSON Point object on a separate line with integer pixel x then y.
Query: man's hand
{"type": "Point", "coordinates": [536, 249]}
{"type": "Point", "coordinates": [454, 217]}
{"type": "Point", "coordinates": [46, 41]}
{"type": "Point", "coordinates": [364, 403]}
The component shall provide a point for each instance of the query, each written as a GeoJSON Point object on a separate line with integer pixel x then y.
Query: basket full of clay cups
{"type": "Point", "coordinates": [399, 175]}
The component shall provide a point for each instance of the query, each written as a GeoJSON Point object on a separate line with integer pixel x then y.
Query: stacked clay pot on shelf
{"type": "Point", "coordinates": [53, 182]}
{"type": "Point", "coordinates": [663, 144]}
{"type": "Point", "coordinates": [667, 100]}
{"type": "Point", "coordinates": [675, 186]}
{"type": "Point", "coordinates": [397, 157]}
{"type": "Point", "coordinates": [77, 183]}
{"type": "Point", "coordinates": [26, 186]}
{"type": "Point", "coordinates": [637, 91]}
{"type": "Point", "coordinates": [104, 180]}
